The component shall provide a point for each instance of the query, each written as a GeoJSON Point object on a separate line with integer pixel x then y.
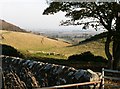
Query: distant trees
{"type": "Point", "coordinates": [106, 15]}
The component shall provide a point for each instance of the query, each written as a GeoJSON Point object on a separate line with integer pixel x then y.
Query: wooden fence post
{"type": "Point", "coordinates": [103, 73]}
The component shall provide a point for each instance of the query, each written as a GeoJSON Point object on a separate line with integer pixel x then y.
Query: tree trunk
{"type": "Point", "coordinates": [107, 50]}
{"type": "Point", "coordinates": [116, 54]}
{"type": "Point", "coordinates": [116, 44]}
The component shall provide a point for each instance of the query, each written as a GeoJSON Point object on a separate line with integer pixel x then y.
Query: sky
{"type": "Point", "coordinates": [27, 14]}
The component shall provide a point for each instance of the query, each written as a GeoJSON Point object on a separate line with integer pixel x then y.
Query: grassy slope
{"type": "Point", "coordinates": [29, 42]}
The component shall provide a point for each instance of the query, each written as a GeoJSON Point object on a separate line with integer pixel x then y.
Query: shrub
{"type": "Point", "coordinates": [100, 59]}
{"type": "Point", "coordinates": [10, 51]}
{"type": "Point", "coordinates": [86, 56]}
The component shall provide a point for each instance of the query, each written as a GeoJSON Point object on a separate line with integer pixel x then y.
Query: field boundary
{"type": "Point", "coordinates": [73, 85]}
{"type": "Point", "coordinates": [109, 77]}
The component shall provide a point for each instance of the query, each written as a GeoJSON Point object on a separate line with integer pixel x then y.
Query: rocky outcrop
{"type": "Point", "coordinates": [22, 74]}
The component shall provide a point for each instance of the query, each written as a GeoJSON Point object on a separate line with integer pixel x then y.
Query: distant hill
{"type": "Point", "coordinates": [9, 27]}
{"type": "Point", "coordinates": [95, 37]}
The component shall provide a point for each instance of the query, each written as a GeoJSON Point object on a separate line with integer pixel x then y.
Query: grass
{"type": "Point", "coordinates": [44, 55]}
{"type": "Point", "coordinates": [27, 42]}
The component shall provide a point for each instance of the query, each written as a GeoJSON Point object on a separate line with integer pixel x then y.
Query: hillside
{"type": "Point", "coordinates": [31, 43]}
{"type": "Point", "coordinates": [94, 38]}
{"type": "Point", "coordinates": [10, 27]}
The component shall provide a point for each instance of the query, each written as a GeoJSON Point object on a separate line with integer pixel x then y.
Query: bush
{"type": "Point", "coordinates": [10, 51]}
{"type": "Point", "coordinates": [86, 56]}
{"type": "Point", "coordinates": [100, 59]}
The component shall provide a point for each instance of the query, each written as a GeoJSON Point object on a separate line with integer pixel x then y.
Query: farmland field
{"type": "Point", "coordinates": [29, 43]}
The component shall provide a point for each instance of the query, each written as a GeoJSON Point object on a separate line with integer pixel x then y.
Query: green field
{"type": "Point", "coordinates": [37, 45]}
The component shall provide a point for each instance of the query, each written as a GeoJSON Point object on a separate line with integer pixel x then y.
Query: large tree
{"type": "Point", "coordinates": [106, 15]}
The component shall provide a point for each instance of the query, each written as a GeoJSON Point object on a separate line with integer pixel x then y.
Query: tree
{"type": "Point", "coordinates": [100, 14]}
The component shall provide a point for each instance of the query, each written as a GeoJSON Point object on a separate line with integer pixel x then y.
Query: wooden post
{"type": "Point", "coordinates": [103, 73]}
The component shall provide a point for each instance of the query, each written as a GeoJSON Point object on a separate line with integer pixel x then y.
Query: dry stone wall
{"type": "Point", "coordinates": [26, 74]}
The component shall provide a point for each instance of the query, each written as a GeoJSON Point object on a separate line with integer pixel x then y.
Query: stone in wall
{"type": "Point", "coordinates": [23, 74]}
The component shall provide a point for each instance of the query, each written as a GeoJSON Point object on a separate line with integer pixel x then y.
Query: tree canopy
{"type": "Point", "coordinates": [105, 14]}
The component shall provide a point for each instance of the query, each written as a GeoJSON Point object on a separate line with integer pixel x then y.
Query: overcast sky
{"type": "Point", "coordinates": [27, 14]}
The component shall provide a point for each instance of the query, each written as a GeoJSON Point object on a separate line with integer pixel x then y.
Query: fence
{"type": "Point", "coordinates": [109, 77]}
{"type": "Point", "coordinates": [74, 85]}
